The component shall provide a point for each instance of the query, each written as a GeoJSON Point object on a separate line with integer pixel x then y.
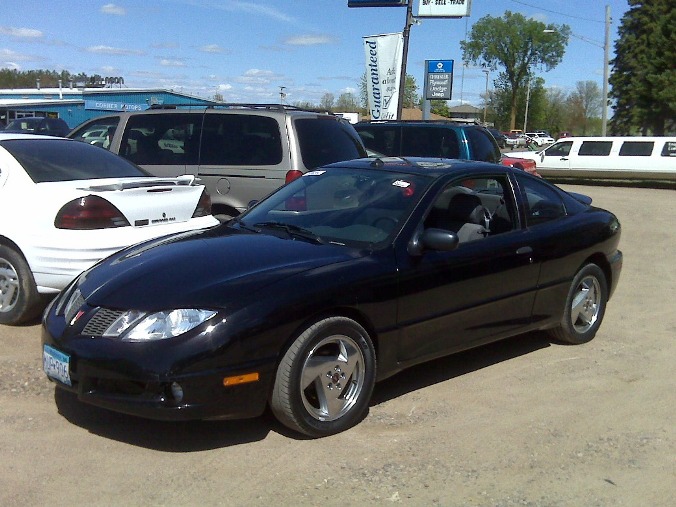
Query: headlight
{"type": "Point", "coordinates": [137, 326]}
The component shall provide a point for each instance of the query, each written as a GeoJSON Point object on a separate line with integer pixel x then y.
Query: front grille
{"type": "Point", "coordinates": [101, 321]}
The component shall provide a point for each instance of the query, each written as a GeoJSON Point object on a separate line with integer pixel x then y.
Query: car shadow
{"type": "Point", "coordinates": [193, 436]}
{"type": "Point", "coordinates": [165, 436]}
{"type": "Point", "coordinates": [456, 365]}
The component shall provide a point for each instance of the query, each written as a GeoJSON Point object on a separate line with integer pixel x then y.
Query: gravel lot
{"type": "Point", "coordinates": [522, 422]}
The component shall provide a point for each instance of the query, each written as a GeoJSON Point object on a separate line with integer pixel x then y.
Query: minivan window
{"type": "Point", "coordinates": [636, 149]}
{"type": "Point", "coordinates": [97, 132]}
{"type": "Point", "coordinates": [313, 133]}
{"type": "Point", "coordinates": [482, 145]}
{"type": "Point", "coordinates": [595, 148]}
{"type": "Point", "coordinates": [382, 139]}
{"type": "Point", "coordinates": [240, 139]}
{"type": "Point", "coordinates": [162, 139]}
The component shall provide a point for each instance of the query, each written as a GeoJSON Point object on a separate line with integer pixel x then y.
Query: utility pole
{"type": "Point", "coordinates": [404, 57]}
{"type": "Point", "coordinates": [606, 57]}
{"type": "Point", "coordinates": [525, 116]}
{"type": "Point", "coordinates": [486, 71]}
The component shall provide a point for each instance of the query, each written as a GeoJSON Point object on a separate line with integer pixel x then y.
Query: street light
{"type": "Point", "coordinates": [486, 71]}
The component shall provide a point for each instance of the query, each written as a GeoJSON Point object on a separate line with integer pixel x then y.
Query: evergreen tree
{"type": "Point", "coordinates": [643, 77]}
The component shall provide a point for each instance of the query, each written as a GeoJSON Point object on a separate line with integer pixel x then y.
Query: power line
{"type": "Point", "coordinates": [556, 12]}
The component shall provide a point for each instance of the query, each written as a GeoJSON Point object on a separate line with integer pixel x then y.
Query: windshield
{"type": "Point", "coordinates": [356, 207]}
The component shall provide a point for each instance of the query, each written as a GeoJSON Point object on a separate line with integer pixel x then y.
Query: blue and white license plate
{"type": "Point", "coordinates": [56, 364]}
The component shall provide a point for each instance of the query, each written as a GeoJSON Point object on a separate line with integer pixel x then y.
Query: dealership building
{"type": "Point", "coordinates": [77, 104]}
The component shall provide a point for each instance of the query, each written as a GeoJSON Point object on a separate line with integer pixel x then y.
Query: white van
{"type": "Point", "coordinates": [642, 158]}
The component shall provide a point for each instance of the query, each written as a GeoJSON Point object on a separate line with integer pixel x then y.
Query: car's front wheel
{"type": "Point", "coordinates": [19, 298]}
{"type": "Point", "coordinates": [325, 379]}
{"type": "Point", "coordinates": [585, 306]}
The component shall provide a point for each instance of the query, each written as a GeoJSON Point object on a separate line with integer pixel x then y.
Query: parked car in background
{"type": "Point", "coordinates": [515, 140]}
{"type": "Point", "coordinates": [632, 158]}
{"type": "Point", "coordinates": [443, 139]}
{"type": "Point", "coordinates": [540, 139]}
{"type": "Point", "coordinates": [343, 277]}
{"type": "Point", "coordinates": [65, 205]}
{"type": "Point", "coordinates": [38, 125]}
{"type": "Point", "coordinates": [564, 134]}
{"type": "Point", "coordinates": [241, 152]}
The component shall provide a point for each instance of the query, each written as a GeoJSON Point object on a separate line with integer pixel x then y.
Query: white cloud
{"type": "Point", "coordinates": [253, 8]}
{"type": "Point", "coordinates": [212, 48]}
{"type": "Point", "coordinates": [113, 9]}
{"type": "Point", "coordinates": [257, 77]}
{"type": "Point", "coordinates": [168, 62]}
{"type": "Point", "coordinates": [309, 40]}
{"type": "Point", "coordinates": [108, 50]}
{"type": "Point", "coordinates": [21, 33]}
{"type": "Point", "coordinates": [224, 87]}
{"type": "Point", "coordinates": [13, 55]}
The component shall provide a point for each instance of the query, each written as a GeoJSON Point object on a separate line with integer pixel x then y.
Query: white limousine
{"type": "Point", "coordinates": [641, 158]}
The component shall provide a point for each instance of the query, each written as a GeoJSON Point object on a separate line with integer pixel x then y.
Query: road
{"type": "Point", "coordinates": [522, 422]}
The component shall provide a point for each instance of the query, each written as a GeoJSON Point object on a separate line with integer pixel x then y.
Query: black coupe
{"type": "Point", "coordinates": [339, 279]}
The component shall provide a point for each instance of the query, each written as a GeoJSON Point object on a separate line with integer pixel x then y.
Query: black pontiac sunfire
{"type": "Point", "coordinates": [339, 279]}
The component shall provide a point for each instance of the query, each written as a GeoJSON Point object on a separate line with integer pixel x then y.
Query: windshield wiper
{"type": "Point", "coordinates": [292, 230]}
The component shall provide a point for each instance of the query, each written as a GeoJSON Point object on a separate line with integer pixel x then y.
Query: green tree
{"type": "Point", "coordinates": [643, 76]}
{"type": "Point", "coordinates": [517, 45]}
{"type": "Point", "coordinates": [347, 103]}
{"type": "Point", "coordinates": [410, 92]}
{"type": "Point", "coordinates": [327, 101]}
{"type": "Point", "coordinates": [584, 104]}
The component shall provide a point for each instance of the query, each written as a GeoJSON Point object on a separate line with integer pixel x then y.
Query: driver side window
{"type": "Point", "coordinates": [474, 208]}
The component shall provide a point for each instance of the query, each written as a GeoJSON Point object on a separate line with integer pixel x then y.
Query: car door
{"type": "Point", "coordinates": [481, 291]}
{"type": "Point", "coordinates": [556, 157]}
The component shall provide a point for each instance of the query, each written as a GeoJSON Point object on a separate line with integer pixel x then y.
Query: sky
{"type": "Point", "coordinates": [246, 50]}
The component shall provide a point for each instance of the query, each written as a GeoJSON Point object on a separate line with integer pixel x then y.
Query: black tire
{"type": "Point", "coordinates": [325, 380]}
{"type": "Point", "coordinates": [585, 306]}
{"type": "Point", "coordinates": [19, 298]}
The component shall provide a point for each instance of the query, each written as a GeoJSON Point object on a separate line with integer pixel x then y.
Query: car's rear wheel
{"type": "Point", "coordinates": [19, 298]}
{"type": "Point", "coordinates": [585, 306]}
{"type": "Point", "coordinates": [325, 379]}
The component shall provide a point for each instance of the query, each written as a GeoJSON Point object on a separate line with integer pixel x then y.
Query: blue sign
{"type": "Point", "coordinates": [440, 66]}
{"type": "Point", "coordinates": [377, 3]}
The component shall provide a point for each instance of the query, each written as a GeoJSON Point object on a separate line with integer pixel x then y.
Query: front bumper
{"type": "Point", "coordinates": [120, 377]}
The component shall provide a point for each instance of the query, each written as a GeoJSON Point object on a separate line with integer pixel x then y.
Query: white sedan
{"type": "Point", "coordinates": [65, 205]}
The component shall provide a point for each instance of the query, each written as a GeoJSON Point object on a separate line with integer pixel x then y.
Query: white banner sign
{"type": "Point", "coordinates": [383, 68]}
{"type": "Point", "coordinates": [444, 8]}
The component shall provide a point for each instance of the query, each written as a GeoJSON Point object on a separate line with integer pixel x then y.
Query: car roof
{"type": "Point", "coordinates": [420, 165]}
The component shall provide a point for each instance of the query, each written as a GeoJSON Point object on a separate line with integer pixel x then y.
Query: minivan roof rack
{"type": "Point", "coordinates": [239, 105]}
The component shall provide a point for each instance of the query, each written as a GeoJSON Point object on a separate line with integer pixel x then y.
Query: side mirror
{"type": "Point", "coordinates": [433, 239]}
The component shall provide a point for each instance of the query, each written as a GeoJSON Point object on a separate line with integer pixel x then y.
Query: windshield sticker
{"type": "Point", "coordinates": [401, 183]}
{"type": "Point", "coordinates": [314, 173]}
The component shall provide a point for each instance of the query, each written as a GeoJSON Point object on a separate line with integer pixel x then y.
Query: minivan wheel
{"type": "Point", "coordinates": [324, 381]}
{"type": "Point", "coordinates": [19, 298]}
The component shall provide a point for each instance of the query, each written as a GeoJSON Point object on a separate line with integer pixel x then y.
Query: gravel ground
{"type": "Point", "coordinates": [524, 422]}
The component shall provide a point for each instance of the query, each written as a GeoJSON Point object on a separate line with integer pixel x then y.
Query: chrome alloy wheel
{"type": "Point", "coordinates": [9, 286]}
{"type": "Point", "coordinates": [332, 377]}
{"type": "Point", "coordinates": [586, 304]}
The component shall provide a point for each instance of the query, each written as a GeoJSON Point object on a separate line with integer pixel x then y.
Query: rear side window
{"type": "Point", "coordinates": [429, 142]}
{"type": "Point", "coordinates": [162, 139]}
{"type": "Point", "coordinates": [482, 145]}
{"type": "Point", "coordinates": [636, 149]}
{"type": "Point", "coordinates": [240, 139]}
{"type": "Point", "coordinates": [324, 140]}
{"type": "Point", "coordinates": [669, 149]}
{"type": "Point", "coordinates": [542, 202]}
{"type": "Point", "coordinates": [63, 160]}
{"type": "Point", "coordinates": [384, 139]}
{"type": "Point", "coordinates": [595, 148]}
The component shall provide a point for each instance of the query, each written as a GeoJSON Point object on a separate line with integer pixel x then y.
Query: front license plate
{"type": "Point", "coordinates": [56, 364]}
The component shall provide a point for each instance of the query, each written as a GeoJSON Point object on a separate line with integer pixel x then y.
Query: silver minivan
{"type": "Point", "coordinates": [240, 152]}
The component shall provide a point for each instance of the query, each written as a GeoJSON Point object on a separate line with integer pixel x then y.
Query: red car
{"type": "Point", "coordinates": [521, 163]}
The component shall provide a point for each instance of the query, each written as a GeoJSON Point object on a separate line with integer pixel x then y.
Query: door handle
{"type": "Point", "coordinates": [524, 250]}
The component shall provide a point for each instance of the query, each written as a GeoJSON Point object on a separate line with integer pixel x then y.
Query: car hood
{"type": "Point", "coordinates": [532, 155]}
{"type": "Point", "coordinates": [211, 268]}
